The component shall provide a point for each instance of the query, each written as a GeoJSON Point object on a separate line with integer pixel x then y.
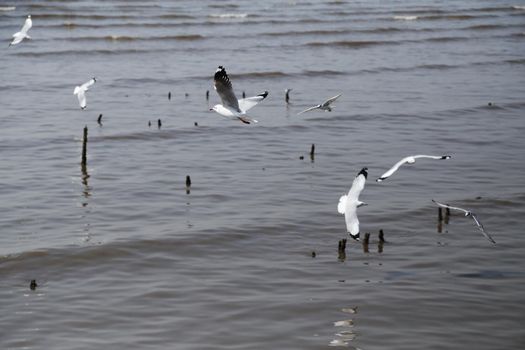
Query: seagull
{"type": "Point", "coordinates": [472, 215]}
{"type": "Point", "coordinates": [350, 202]}
{"type": "Point", "coordinates": [80, 91]}
{"type": "Point", "coordinates": [22, 34]}
{"type": "Point", "coordinates": [409, 160]}
{"type": "Point", "coordinates": [231, 107]}
{"type": "Point", "coordinates": [325, 106]}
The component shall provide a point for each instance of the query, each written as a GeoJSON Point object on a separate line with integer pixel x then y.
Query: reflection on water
{"type": "Point", "coordinates": [345, 333]}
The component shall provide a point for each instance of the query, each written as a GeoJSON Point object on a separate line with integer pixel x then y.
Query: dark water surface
{"type": "Point", "coordinates": [126, 259]}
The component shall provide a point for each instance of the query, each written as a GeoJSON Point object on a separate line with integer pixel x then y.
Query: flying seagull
{"type": "Point", "coordinates": [349, 203]}
{"type": "Point", "coordinates": [472, 215]}
{"type": "Point", "coordinates": [81, 90]}
{"type": "Point", "coordinates": [325, 106]}
{"type": "Point", "coordinates": [231, 107]}
{"type": "Point", "coordinates": [409, 160]}
{"type": "Point", "coordinates": [22, 34]}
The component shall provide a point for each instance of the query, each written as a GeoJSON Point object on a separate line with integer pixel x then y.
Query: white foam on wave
{"type": "Point", "coordinates": [229, 15]}
{"type": "Point", "coordinates": [405, 18]}
{"type": "Point", "coordinates": [7, 8]}
{"type": "Point", "coordinates": [517, 7]}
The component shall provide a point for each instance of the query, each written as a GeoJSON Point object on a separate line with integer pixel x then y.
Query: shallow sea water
{"type": "Point", "coordinates": [125, 258]}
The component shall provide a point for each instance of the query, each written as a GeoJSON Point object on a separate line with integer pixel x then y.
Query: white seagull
{"type": "Point", "coordinates": [325, 106]}
{"type": "Point", "coordinates": [472, 215]}
{"type": "Point", "coordinates": [22, 34]}
{"type": "Point", "coordinates": [80, 91]}
{"type": "Point", "coordinates": [349, 203]}
{"type": "Point", "coordinates": [231, 107]}
{"type": "Point", "coordinates": [408, 160]}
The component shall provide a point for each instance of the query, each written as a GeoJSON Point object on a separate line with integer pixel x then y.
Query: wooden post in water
{"type": "Point", "coordinates": [381, 236]}
{"type": "Point", "coordinates": [169, 95]}
{"type": "Point", "coordinates": [440, 215]}
{"type": "Point", "coordinates": [159, 123]}
{"type": "Point", "coordinates": [99, 120]}
{"type": "Point", "coordinates": [207, 95]}
{"type": "Point", "coordinates": [312, 152]}
{"type": "Point", "coordinates": [83, 162]}
{"type": "Point", "coordinates": [341, 254]}
{"type": "Point", "coordinates": [188, 184]}
{"type": "Point", "coordinates": [447, 215]}
{"type": "Point", "coordinates": [366, 240]}
{"type": "Point", "coordinates": [33, 285]}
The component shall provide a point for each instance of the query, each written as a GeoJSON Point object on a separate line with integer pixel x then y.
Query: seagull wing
{"type": "Point", "coordinates": [27, 25]}
{"type": "Point", "coordinates": [481, 228]}
{"type": "Point", "coordinates": [451, 207]}
{"type": "Point", "coordinates": [432, 157]}
{"type": "Point", "coordinates": [357, 186]}
{"type": "Point", "coordinates": [352, 222]}
{"type": "Point", "coordinates": [223, 86]}
{"type": "Point", "coordinates": [392, 169]}
{"type": "Point", "coordinates": [310, 109]}
{"type": "Point", "coordinates": [246, 104]}
{"type": "Point", "coordinates": [247, 120]}
{"type": "Point", "coordinates": [330, 100]}
{"type": "Point", "coordinates": [17, 38]}
{"type": "Point", "coordinates": [81, 95]}
{"type": "Point", "coordinates": [341, 206]}
{"type": "Point", "coordinates": [85, 86]}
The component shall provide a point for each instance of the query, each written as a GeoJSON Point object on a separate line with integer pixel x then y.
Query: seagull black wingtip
{"type": "Point", "coordinates": [363, 172]}
{"type": "Point", "coordinates": [356, 237]}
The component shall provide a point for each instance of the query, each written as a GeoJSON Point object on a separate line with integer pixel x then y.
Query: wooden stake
{"type": "Point", "coordinates": [83, 162]}
{"type": "Point", "coordinates": [312, 152]}
{"type": "Point", "coordinates": [381, 236]}
{"type": "Point", "coordinates": [366, 240]}
{"type": "Point", "coordinates": [341, 250]}
{"type": "Point", "coordinates": [188, 184]}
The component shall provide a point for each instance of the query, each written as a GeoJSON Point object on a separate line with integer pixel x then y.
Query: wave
{"type": "Point", "coordinates": [7, 8]}
{"type": "Point", "coordinates": [184, 37]}
{"type": "Point", "coordinates": [405, 18]}
{"type": "Point", "coordinates": [351, 44]}
{"type": "Point", "coordinates": [219, 6]}
{"type": "Point", "coordinates": [518, 7]}
{"type": "Point", "coordinates": [321, 32]}
{"type": "Point", "coordinates": [228, 15]}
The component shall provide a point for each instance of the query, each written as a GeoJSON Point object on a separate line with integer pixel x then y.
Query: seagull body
{"type": "Point", "coordinates": [472, 215]}
{"type": "Point", "coordinates": [349, 203]}
{"type": "Point", "coordinates": [408, 160]}
{"type": "Point", "coordinates": [325, 106]}
{"type": "Point", "coordinates": [22, 34]}
{"type": "Point", "coordinates": [80, 91]}
{"type": "Point", "coordinates": [231, 107]}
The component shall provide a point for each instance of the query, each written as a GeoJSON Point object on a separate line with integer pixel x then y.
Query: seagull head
{"type": "Point", "coordinates": [411, 160]}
